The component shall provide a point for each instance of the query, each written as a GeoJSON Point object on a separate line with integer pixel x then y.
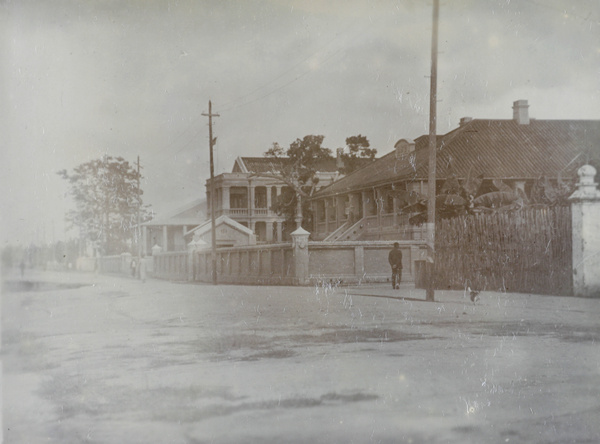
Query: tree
{"type": "Point", "coordinates": [458, 199]}
{"type": "Point", "coordinates": [107, 199]}
{"type": "Point", "coordinates": [358, 153]}
{"type": "Point", "coordinates": [297, 168]}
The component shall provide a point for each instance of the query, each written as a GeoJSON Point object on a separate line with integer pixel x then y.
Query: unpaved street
{"type": "Point", "coordinates": [120, 361]}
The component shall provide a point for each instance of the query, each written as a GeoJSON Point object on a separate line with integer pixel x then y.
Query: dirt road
{"type": "Point", "coordinates": [119, 361]}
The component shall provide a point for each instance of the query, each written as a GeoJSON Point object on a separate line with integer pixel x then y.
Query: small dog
{"type": "Point", "coordinates": [474, 294]}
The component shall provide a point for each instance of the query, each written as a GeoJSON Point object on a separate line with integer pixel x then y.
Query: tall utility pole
{"type": "Point", "coordinates": [431, 181]}
{"type": "Point", "coordinates": [210, 115]}
{"type": "Point", "coordinates": [139, 233]}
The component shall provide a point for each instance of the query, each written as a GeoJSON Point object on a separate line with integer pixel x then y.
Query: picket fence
{"type": "Point", "coordinates": [527, 251]}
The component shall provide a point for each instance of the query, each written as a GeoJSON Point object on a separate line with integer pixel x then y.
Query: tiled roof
{"type": "Point", "coordinates": [498, 149]}
{"type": "Point", "coordinates": [192, 213]}
{"type": "Point", "coordinates": [266, 164]}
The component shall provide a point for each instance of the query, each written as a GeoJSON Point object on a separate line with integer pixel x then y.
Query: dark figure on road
{"type": "Point", "coordinates": [395, 260]}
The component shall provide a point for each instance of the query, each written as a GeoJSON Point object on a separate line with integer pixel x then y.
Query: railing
{"type": "Point", "coordinates": [244, 212]}
{"type": "Point", "coordinates": [337, 233]}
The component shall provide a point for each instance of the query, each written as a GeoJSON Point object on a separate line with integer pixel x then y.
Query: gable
{"type": "Point", "coordinates": [228, 232]}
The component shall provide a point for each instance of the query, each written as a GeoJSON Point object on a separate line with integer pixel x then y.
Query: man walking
{"type": "Point", "coordinates": [395, 260]}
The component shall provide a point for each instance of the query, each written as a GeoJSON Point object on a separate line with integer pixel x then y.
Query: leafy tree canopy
{"type": "Point", "coordinates": [107, 200]}
{"type": "Point", "coordinates": [299, 173]}
{"type": "Point", "coordinates": [358, 152]}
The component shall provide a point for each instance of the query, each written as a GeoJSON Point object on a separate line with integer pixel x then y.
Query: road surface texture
{"type": "Point", "coordinates": [113, 360]}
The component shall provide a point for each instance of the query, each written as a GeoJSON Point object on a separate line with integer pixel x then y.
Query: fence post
{"type": "Point", "coordinates": [191, 248]}
{"type": "Point", "coordinates": [125, 263]}
{"type": "Point", "coordinates": [359, 262]}
{"type": "Point", "coordinates": [585, 210]}
{"type": "Point", "coordinates": [300, 249]}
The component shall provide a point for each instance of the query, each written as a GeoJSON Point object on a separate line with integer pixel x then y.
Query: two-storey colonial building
{"type": "Point", "coordinates": [248, 193]}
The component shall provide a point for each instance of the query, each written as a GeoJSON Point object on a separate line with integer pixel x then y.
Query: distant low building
{"type": "Point", "coordinates": [168, 231]}
{"type": "Point", "coordinates": [228, 233]}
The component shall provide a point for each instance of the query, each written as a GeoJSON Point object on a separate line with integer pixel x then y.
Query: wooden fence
{"type": "Point", "coordinates": [528, 251]}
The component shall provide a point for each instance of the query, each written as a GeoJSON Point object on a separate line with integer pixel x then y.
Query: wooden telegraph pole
{"type": "Point", "coordinates": [212, 141]}
{"type": "Point", "coordinates": [431, 181]}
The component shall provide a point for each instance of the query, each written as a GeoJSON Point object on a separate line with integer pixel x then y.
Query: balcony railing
{"type": "Point", "coordinates": [245, 212]}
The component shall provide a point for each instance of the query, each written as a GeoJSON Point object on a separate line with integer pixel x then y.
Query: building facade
{"type": "Point", "coordinates": [248, 193]}
{"type": "Point", "coordinates": [369, 203]}
{"type": "Point", "coordinates": [169, 231]}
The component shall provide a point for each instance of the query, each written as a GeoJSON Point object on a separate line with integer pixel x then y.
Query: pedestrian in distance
{"type": "Point", "coordinates": [395, 260]}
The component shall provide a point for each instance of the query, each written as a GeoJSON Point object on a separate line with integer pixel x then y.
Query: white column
{"type": "Point", "coordinates": [585, 213]}
{"type": "Point", "coordinates": [250, 199]}
{"type": "Point", "coordinates": [226, 200]}
{"type": "Point", "coordinates": [165, 239]}
{"type": "Point", "coordinates": [269, 204]}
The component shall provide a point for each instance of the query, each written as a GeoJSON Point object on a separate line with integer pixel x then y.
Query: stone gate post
{"type": "Point", "coordinates": [300, 248]}
{"type": "Point", "coordinates": [585, 210]}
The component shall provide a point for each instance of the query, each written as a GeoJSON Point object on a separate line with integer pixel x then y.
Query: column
{"type": "Point", "coordinates": [585, 213]}
{"type": "Point", "coordinates": [165, 239]}
{"type": "Point", "coordinates": [269, 229]}
{"type": "Point", "coordinates": [279, 231]}
{"type": "Point", "coordinates": [359, 262]}
{"type": "Point", "coordinates": [364, 204]}
{"type": "Point", "coordinates": [250, 199]}
{"type": "Point", "coordinates": [300, 248]}
{"type": "Point", "coordinates": [269, 204]}
{"type": "Point", "coordinates": [226, 200]}
{"type": "Point", "coordinates": [326, 215]}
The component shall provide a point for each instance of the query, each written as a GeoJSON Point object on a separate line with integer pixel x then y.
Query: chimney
{"type": "Point", "coordinates": [520, 112]}
{"type": "Point", "coordinates": [339, 163]}
{"type": "Point", "coordinates": [465, 120]}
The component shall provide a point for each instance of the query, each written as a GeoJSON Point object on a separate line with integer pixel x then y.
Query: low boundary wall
{"type": "Point", "coordinates": [351, 262]}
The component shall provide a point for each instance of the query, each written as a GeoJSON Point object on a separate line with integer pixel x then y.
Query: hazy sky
{"type": "Point", "coordinates": [83, 78]}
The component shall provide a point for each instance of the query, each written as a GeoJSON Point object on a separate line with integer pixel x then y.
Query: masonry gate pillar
{"type": "Point", "coordinates": [300, 248]}
{"type": "Point", "coordinates": [585, 210]}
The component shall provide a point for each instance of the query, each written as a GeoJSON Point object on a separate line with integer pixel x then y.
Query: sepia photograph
{"type": "Point", "coordinates": [300, 221]}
